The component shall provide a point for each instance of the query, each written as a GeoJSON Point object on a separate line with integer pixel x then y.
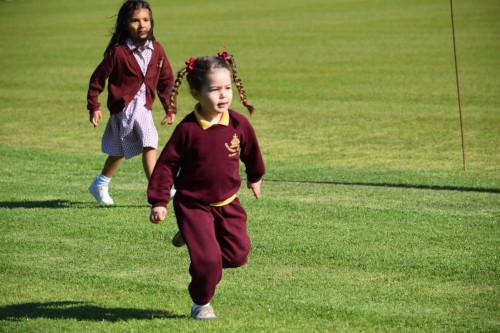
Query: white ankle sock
{"type": "Point", "coordinates": [102, 180]}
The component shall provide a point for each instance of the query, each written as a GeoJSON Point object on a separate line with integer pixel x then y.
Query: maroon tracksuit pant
{"type": "Point", "coordinates": [216, 238]}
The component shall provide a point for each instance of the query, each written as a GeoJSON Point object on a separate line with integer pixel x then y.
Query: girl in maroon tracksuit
{"type": "Point", "coordinates": [202, 160]}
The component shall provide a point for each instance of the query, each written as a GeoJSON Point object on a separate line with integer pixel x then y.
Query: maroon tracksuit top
{"type": "Point", "coordinates": [204, 164]}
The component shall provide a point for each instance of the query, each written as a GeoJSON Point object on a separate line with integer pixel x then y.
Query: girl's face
{"type": "Point", "coordinates": [216, 94]}
{"type": "Point", "coordinates": [139, 25]}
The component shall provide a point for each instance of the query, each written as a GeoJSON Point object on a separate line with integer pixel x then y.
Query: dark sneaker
{"type": "Point", "coordinates": [177, 240]}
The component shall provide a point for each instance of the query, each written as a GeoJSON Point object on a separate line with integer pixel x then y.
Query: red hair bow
{"type": "Point", "coordinates": [226, 57]}
{"type": "Point", "coordinates": [190, 64]}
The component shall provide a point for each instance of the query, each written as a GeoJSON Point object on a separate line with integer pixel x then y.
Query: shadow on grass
{"type": "Point", "coordinates": [79, 311]}
{"type": "Point", "coordinates": [60, 204]}
{"type": "Point", "coordinates": [405, 186]}
{"type": "Point", "coordinates": [40, 204]}
{"type": "Point", "coordinates": [73, 204]}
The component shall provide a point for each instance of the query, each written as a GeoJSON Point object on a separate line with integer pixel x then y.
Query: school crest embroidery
{"type": "Point", "coordinates": [234, 148]}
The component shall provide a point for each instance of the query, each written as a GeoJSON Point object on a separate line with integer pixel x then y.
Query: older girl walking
{"type": "Point", "coordinates": [136, 68]}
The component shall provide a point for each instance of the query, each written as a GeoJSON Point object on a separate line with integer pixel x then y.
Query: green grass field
{"type": "Point", "coordinates": [367, 223]}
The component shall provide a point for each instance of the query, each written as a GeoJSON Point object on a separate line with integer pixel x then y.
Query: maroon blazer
{"type": "Point", "coordinates": [125, 79]}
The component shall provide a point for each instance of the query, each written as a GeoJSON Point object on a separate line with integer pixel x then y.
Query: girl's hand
{"type": "Point", "coordinates": [157, 214]}
{"type": "Point", "coordinates": [95, 117]}
{"type": "Point", "coordinates": [168, 119]}
{"type": "Point", "coordinates": [255, 187]}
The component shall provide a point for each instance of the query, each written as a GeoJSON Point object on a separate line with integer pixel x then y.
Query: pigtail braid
{"type": "Point", "coordinates": [239, 84]}
{"type": "Point", "coordinates": [172, 104]}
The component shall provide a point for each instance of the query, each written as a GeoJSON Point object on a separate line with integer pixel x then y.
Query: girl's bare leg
{"type": "Point", "coordinates": [99, 186]}
{"type": "Point", "coordinates": [148, 160]}
{"type": "Point", "coordinates": [111, 165]}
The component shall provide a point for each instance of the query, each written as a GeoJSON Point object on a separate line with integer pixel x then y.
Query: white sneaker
{"type": "Point", "coordinates": [202, 312]}
{"type": "Point", "coordinates": [100, 193]}
{"type": "Point", "coordinates": [177, 240]}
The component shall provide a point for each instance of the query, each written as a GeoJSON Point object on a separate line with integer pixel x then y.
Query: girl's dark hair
{"type": "Point", "coordinates": [197, 70]}
{"type": "Point", "coordinates": [120, 34]}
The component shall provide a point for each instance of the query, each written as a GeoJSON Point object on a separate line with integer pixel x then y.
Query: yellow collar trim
{"type": "Point", "coordinates": [224, 119]}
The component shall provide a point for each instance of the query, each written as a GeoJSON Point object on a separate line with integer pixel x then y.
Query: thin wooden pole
{"type": "Point", "coordinates": [458, 84]}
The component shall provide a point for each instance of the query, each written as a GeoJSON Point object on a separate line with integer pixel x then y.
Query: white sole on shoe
{"type": "Point", "coordinates": [204, 312]}
{"type": "Point", "coordinates": [100, 194]}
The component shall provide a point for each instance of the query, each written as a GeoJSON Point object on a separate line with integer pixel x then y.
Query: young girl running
{"type": "Point", "coordinates": [202, 160]}
{"type": "Point", "coordinates": [135, 66]}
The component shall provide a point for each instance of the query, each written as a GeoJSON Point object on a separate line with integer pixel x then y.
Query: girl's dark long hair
{"type": "Point", "coordinates": [120, 34]}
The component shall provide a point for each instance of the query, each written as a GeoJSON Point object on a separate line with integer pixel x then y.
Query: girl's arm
{"type": "Point", "coordinates": [95, 117]}
{"type": "Point", "coordinates": [255, 187]}
{"type": "Point", "coordinates": [251, 157]}
{"type": "Point", "coordinates": [165, 170]}
{"type": "Point", "coordinates": [157, 214]}
{"type": "Point", "coordinates": [165, 84]}
{"type": "Point", "coordinates": [97, 83]}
